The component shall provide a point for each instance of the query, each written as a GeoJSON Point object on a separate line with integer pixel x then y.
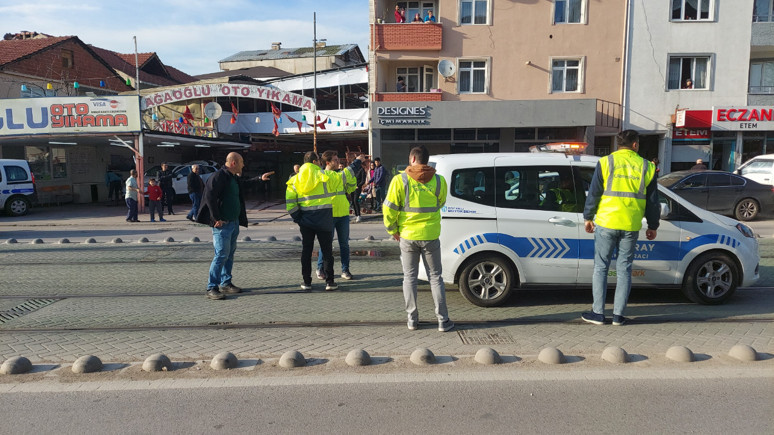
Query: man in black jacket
{"type": "Point", "coordinates": [164, 177]}
{"type": "Point", "coordinates": [223, 208]}
{"type": "Point", "coordinates": [195, 188]}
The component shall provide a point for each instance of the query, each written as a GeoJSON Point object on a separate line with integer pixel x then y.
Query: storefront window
{"type": "Point", "coordinates": [434, 134]}
{"type": "Point", "coordinates": [558, 133]}
{"type": "Point", "coordinates": [46, 162]}
{"type": "Point", "coordinates": [465, 134]}
{"type": "Point", "coordinates": [398, 134]}
{"type": "Point", "coordinates": [525, 134]}
{"type": "Point", "coordinates": [752, 146]}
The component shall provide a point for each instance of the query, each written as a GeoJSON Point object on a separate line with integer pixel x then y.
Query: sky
{"type": "Point", "coordinates": [192, 35]}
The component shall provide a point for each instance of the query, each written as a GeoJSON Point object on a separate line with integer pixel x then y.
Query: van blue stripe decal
{"type": "Point", "coordinates": [10, 191]}
{"type": "Point", "coordinates": [544, 247]}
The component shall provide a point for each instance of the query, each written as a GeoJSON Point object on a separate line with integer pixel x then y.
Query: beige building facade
{"type": "Point", "coordinates": [492, 75]}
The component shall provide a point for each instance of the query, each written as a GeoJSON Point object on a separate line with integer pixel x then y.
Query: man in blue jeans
{"type": "Point", "coordinates": [622, 191]}
{"type": "Point", "coordinates": [380, 183]}
{"type": "Point", "coordinates": [223, 208]}
{"type": "Point", "coordinates": [341, 183]}
{"type": "Point", "coordinates": [195, 188]}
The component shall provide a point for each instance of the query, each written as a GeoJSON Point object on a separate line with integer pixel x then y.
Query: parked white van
{"type": "Point", "coordinates": [758, 168]}
{"type": "Point", "coordinates": [17, 187]}
{"type": "Point", "coordinates": [502, 228]}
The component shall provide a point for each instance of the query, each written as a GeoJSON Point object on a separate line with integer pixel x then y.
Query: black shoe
{"type": "Point", "coordinates": [331, 286]}
{"type": "Point", "coordinates": [619, 320]}
{"type": "Point", "coordinates": [171, 212]}
{"type": "Point", "coordinates": [230, 289]}
{"type": "Point", "coordinates": [190, 218]}
{"type": "Point", "coordinates": [592, 317]}
{"type": "Point", "coordinates": [213, 293]}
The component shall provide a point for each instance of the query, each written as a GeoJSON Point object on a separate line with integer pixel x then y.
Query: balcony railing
{"type": "Point", "coordinates": [407, 96]}
{"type": "Point", "coordinates": [407, 37]}
{"type": "Point", "coordinates": [761, 90]}
{"type": "Point", "coordinates": [608, 114]}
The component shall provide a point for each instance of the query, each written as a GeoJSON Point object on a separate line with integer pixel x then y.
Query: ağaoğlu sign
{"type": "Point", "coordinates": [226, 90]}
{"type": "Point", "coordinates": [403, 115]}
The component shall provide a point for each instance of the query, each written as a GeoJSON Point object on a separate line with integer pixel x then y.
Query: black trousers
{"type": "Point", "coordinates": [167, 197]}
{"type": "Point", "coordinates": [307, 245]}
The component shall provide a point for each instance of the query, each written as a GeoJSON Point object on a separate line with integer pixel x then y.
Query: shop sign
{"type": "Point", "coordinates": [743, 118]}
{"type": "Point", "coordinates": [55, 115]}
{"type": "Point", "coordinates": [691, 134]}
{"type": "Point", "coordinates": [403, 115]}
{"type": "Point", "coordinates": [191, 92]}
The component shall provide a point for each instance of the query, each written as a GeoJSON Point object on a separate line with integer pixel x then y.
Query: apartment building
{"type": "Point", "coordinates": [700, 80]}
{"type": "Point", "coordinates": [491, 75]}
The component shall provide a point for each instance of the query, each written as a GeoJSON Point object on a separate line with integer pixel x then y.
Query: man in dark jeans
{"type": "Point", "coordinates": [195, 188]}
{"type": "Point", "coordinates": [380, 182]}
{"type": "Point", "coordinates": [223, 208]}
{"type": "Point", "coordinates": [164, 177]}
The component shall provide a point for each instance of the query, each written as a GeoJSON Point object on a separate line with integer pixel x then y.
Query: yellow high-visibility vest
{"type": "Point", "coordinates": [308, 190]}
{"type": "Point", "coordinates": [625, 177]}
{"type": "Point", "coordinates": [413, 208]}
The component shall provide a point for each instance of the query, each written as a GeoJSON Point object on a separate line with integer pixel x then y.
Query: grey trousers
{"type": "Point", "coordinates": [430, 251]}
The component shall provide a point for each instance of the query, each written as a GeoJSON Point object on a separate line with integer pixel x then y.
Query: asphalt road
{"type": "Point", "coordinates": [707, 401]}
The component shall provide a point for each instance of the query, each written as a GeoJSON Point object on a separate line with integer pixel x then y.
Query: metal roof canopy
{"type": "Point", "coordinates": [92, 139]}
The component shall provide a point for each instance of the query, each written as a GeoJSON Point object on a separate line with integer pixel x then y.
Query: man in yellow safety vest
{"type": "Point", "coordinates": [412, 215]}
{"type": "Point", "coordinates": [623, 189]}
{"type": "Point", "coordinates": [341, 183]}
{"type": "Point", "coordinates": [310, 203]}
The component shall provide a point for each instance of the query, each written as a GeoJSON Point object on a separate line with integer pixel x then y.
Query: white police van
{"type": "Point", "coordinates": [17, 187]}
{"type": "Point", "coordinates": [505, 225]}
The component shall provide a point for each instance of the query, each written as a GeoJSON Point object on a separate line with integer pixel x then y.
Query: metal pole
{"type": "Point", "coordinates": [314, 92]}
{"type": "Point", "coordinates": [140, 145]}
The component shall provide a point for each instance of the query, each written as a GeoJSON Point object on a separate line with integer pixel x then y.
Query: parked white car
{"type": "Point", "coordinates": [17, 187]}
{"type": "Point", "coordinates": [180, 177]}
{"type": "Point", "coordinates": [758, 168]}
{"type": "Point", "coordinates": [501, 230]}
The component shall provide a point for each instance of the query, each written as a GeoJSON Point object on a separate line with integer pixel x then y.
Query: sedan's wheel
{"type": "Point", "coordinates": [487, 281]}
{"type": "Point", "coordinates": [17, 206]}
{"type": "Point", "coordinates": [746, 209]}
{"type": "Point", "coordinates": [711, 279]}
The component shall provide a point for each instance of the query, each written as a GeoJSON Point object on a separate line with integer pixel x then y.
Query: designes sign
{"type": "Point", "coordinates": [403, 115]}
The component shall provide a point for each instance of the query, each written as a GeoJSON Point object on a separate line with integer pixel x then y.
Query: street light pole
{"type": "Point", "coordinates": [314, 95]}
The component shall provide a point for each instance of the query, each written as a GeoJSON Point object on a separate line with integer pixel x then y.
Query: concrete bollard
{"type": "Point", "coordinates": [224, 361]}
{"type": "Point", "coordinates": [15, 366]}
{"type": "Point", "coordinates": [358, 357]}
{"type": "Point", "coordinates": [87, 364]}
{"type": "Point", "coordinates": [291, 359]}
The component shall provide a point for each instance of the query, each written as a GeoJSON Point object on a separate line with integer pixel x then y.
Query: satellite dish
{"type": "Point", "coordinates": [213, 110]}
{"type": "Point", "coordinates": [446, 68]}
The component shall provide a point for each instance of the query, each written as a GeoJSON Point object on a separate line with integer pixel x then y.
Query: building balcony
{"type": "Point", "coordinates": [407, 96]}
{"type": "Point", "coordinates": [407, 37]}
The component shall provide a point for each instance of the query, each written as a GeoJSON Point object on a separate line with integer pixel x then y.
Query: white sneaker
{"type": "Point", "coordinates": [320, 274]}
{"type": "Point", "coordinates": [357, 219]}
{"type": "Point", "coordinates": [306, 287]}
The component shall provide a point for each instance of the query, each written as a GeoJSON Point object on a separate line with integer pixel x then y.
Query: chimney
{"type": "Point", "coordinates": [276, 45]}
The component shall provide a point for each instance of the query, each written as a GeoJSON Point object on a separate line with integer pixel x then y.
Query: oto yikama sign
{"type": "Point", "coordinates": [113, 114]}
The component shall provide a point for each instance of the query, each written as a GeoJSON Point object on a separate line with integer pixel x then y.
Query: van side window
{"type": "Point", "coordinates": [15, 173]}
{"type": "Point", "coordinates": [474, 185]}
{"type": "Point", "coordinates": [539, 188]}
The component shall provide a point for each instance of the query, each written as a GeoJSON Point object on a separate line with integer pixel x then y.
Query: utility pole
{"type": "Point", "coordinates": [314, 95]}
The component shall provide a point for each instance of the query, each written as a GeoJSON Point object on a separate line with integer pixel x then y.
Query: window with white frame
{"type": "Point", "coordinates": [688, 72]}
{"type": "Point", "coordinates": [690, 10]}
{"type": "Point", "coordinates": [762, 77]}
{"type": "Point", "coordinates": [762, 11]}
{"type": "Point", "coordinates": [569, 11]}
{"type": "Point", "coordinates": [566, 75]}
{"type": "Point", "coordinates": [471, 76]}
{"type": "Point", "coordinates": [474, 11]}
{"type": "Point", "coordinates": [417, 79]}
{"type": "Point", "coordinates": [413, 8]}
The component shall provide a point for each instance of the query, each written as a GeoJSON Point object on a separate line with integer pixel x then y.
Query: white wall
{"type": "Point", "coordinates": [653, 37]}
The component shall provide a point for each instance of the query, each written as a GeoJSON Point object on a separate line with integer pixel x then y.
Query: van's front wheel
{"type": "Point", "coordinates": [487, 281]}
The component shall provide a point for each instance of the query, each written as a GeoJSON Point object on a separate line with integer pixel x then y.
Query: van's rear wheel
{"type": "Point", "coordinates": [711, 279]}
{"type": "Point", "coordinates": [17, 206]}
{"type": "Point", "coordinates": [487, 281]}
